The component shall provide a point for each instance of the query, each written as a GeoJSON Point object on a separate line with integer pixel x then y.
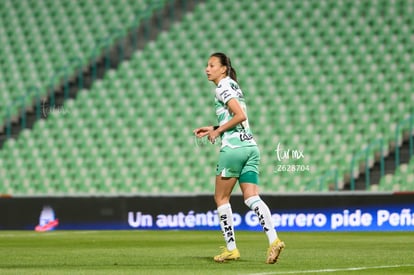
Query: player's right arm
{"type": "Point", "coordinates": [203, 131]}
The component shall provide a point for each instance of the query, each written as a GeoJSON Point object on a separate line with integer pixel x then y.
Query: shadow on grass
{"type": "Point", "coordinates": [211, 260]}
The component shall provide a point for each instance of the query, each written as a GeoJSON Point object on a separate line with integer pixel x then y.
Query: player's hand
{"type": "Point", "coordinates": [202, 131]}
{"type": "Point", "coordinates": [212, 135]}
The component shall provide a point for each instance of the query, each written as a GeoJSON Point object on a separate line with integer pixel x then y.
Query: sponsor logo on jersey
{"type": "Point", "coordinates": [234, 86]}
{"type": "Point", "coordinates": [225, 94]}
{"type": "Point", "coordinates": [245, 136]}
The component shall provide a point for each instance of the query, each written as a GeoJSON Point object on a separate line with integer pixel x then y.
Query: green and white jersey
{"type": "Point", "coordinates": [239, 136]}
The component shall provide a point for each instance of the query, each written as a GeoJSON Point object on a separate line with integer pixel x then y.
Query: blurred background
{"type": "Point", "coordinates": [99, 98]}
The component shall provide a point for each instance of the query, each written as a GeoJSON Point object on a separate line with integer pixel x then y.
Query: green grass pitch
{"type": "Point", "coordinates": [191, 252]}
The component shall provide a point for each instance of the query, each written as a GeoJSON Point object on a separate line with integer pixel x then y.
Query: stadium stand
{"type": "Point", "coordinates": [326, 78]}
{"type": "Point", "coordinates": [42, 38]}
{"type": "Point", "coordinates": [402, 180]}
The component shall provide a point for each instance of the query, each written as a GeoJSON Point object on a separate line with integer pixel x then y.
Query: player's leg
{"type": "Point", "coordinates": [256, 204]}
{"type": "Point", "coordinates": [249, 180]}
{"type": "Point", "coordinates": [223, 189]}
{"type": "Point", "coordinates": [228, 170]}
{"type": "Point", "coordinates": [260, 208]}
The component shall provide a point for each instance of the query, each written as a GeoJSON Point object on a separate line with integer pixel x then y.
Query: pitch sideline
{"type": "Point", "coordinates": [332, 270]}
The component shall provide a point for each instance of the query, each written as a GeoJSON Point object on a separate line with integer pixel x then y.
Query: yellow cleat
{"type": "Point", "coordinates": [227, 255]}
{"type": "Point", "coordinates": [274, 251]}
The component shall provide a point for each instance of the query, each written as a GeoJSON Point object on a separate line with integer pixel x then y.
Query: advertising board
{"type": "Point", "coordinates": [334, 212]}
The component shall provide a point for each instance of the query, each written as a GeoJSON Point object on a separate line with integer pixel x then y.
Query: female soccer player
{"type": "Point", "coordinates": [238, 159]}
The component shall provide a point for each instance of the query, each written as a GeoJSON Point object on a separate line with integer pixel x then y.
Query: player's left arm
{"type": "Point", "coordinates": [238, 117]}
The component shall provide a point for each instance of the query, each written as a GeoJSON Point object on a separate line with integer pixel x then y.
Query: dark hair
{"type": "Point", "coordinates": [225, 61]}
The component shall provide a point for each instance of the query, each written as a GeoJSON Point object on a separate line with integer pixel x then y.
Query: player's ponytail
{"type": "Point", "coordinates": [233, 74]}
{"type": "Point", "coordinates": [225, 61]}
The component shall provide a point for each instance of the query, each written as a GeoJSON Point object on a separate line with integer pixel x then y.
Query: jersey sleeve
{"type": "Point", "coordinates": [224, 93]}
